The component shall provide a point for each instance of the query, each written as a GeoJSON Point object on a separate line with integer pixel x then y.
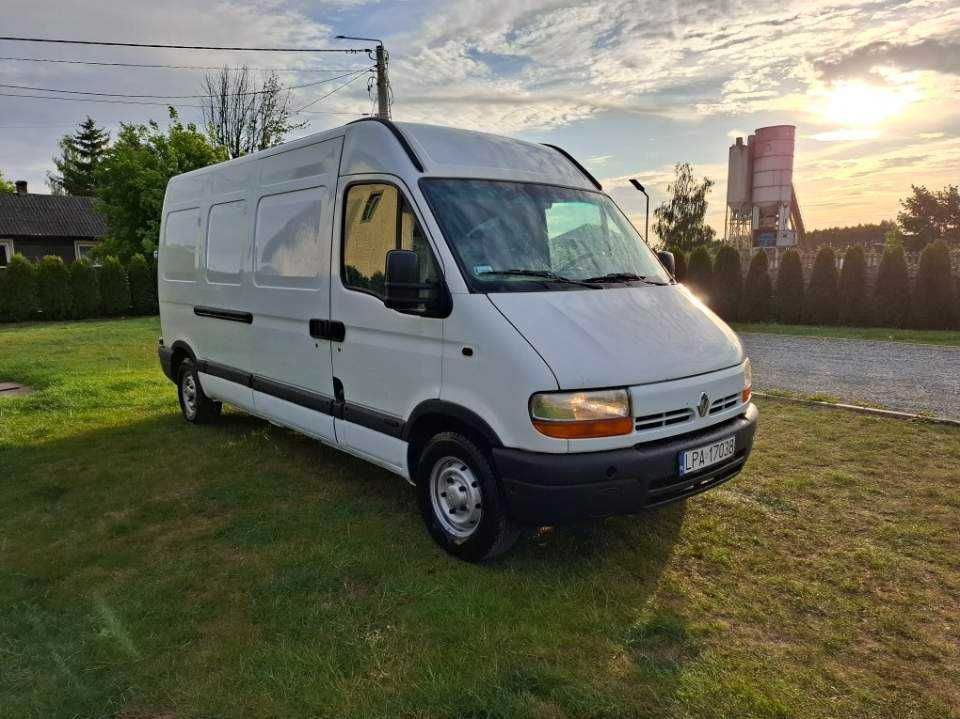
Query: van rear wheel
{"type": "Point", "coordinates": [461, 500]}
{"type": "Point", "coordinates": [195, 405]}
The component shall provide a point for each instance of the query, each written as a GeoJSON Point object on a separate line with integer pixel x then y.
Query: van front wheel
{"type": "Point", "coordinates": [195, 405]}
{"type": "Point", "coordinates": [461, 501]}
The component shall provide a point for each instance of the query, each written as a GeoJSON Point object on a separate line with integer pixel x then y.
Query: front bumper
{"type": "Point", "coordinates": [556, 488]}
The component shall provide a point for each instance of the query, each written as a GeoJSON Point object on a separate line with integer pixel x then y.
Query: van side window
{"type": "Point", "coordinates": [288, 251]}
{"type": "Point", "coordinates": [378, 219]}
{"type": "Point", "coordinates": [181, 240]}
{"type": "Point", "coordinates": [226, 242]}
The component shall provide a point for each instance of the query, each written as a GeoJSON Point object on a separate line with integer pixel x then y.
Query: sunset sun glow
{"type": "Point", "coordinates": [858, 104]}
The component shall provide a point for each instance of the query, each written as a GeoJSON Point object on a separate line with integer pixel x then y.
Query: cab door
{"type": "Point", "coordinates": [386, 361]}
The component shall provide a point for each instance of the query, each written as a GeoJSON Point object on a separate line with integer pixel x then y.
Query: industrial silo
{"type": "Point", "coordinates": [739, 178]}
{"type": "Point", "coordinates": [772, 193]}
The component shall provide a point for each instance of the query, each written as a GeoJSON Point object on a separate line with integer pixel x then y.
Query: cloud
{"type": "Point", "coordinates": [845, 135]}
{"type": "Point", "coordinates": [931, 54]}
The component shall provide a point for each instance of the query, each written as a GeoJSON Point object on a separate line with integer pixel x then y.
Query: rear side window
{"type": "Point", "coordinates": [378, 219]}
{"type": "Point", "coordinates": [226, 242]}
{"type": "Point", "coordinates": [181, 246]}
{"type": "Point", "coordinates": [287, 246]}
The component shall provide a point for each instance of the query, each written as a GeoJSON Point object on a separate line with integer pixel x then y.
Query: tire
{"type": "Point", "coordinates": [474, 533]}
{"type": "Point", "coordinates": [196, 407]}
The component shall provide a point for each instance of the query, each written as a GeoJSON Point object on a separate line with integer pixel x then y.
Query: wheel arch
{"type": "Point", "coordinates": [180, 351]}
{"type": "Point", "coordinates": [437, 415]}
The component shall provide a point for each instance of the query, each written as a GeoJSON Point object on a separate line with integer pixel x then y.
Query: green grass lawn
{"type": "Point", "coordinates": [149, 568]}
{"type": "Point", "coordinates": [931, 337]}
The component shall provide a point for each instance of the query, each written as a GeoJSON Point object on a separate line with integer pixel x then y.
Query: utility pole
{"type": "Point", "coordinates": [383, 82]}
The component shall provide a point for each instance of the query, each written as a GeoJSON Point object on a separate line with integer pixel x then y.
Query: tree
{"type": "Point", "coordinates": [757, 291]}
{"type": "Point", "coordinates": [680, 221]}
{"type": "Point", "coordinates": [114, 288]}
{"type": "Point", "coordinates": [725, 298]}
{"type": "Point", "coordinates": [680, 265]}
{"type": "Point", "coordinates": [84, 289]}
{"type": "Point", "coordinates": [133, 177]}
{"type": "Point", "coordinates": [854, 309]}
{"type": "Point", "coordinates": [930, 216]}
{"type": "Point", "coordinates": [6, 187]}
{"type": "Point", "coordinates": [789, 297]}
{"type": "Point", "coordinates": [20, 288]}
{"type": "Point", "coordinates": [892, 291]}
{"type": "Point", "coordinates": [700, 273]}
{"type": "Point", "coordinates": [143, 287]}
{"type": "Point", "coordinates": [822, 296]}
{"type": "Point", "coordinates": [933, 293]}
{"type": "Point", "coordinates": [865, 234]}
{"type": "Point", "coordinates": [53, 288]}
{"type": "Point", "coordinates": [80, 155]}
{"type": "Point", "coordinates": [243, 116]}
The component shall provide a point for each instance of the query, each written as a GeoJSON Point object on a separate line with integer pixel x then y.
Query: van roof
{"type": "Point", "coordinates": [413, 150]}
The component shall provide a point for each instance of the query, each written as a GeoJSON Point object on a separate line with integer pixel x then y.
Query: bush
{"type": "Point", "coordinates": [84, 289]}
{"type": "Point", "coordinates": [789, 294]}
{"type": "Point", "coordinates": [680, 260]}
{"type": "Point", "coordinates": [20, 289]}
{"type": "Point", "coordinates": [854, 309]}
{"type": "Point", "coordinates": [892, 291]}
{"type": "Point", "coordinates": [933, 295]}
{"type": "Point", "coordinates": [53, 288]}
{"type": "Point", "coordinates": [820, 307]}
{"type": "Point", "coordinates": [727, 283]}
{"type": "Point", "coordinates": [699, 273]}
{"type": "Point", "coordinates": [143, 288]}
{"type": "Point", "coordinates": [757, 291]}
{"type": "Point", "coordinates": [114, 288]}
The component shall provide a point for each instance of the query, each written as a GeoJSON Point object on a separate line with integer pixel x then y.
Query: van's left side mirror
{"type": "Point", "coordinates": [403, 290]}
{"type": "Point", "coordinates": [667, 259]}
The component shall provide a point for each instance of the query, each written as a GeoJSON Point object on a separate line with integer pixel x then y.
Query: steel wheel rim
{"type": "Point", "coordinates": [456, 497]}
{"type": "Point", "coordinates": [188, 390]}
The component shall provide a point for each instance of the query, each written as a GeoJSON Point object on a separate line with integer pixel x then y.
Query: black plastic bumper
{"type": "Point", "coordinates": [166, 362]}
{"type": "Point", "coordinates": [557, 488]}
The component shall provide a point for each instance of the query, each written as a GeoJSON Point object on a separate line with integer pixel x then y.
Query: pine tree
{"type": "Point", "coordinates": [822, 295]}
{"type": "Point", "coordinates": [757, 291]}
{"type": "Point", "coordinates": [700, 273]}
{"type": "Point", "coordinates": [789, 297]}
{"type": "Point", "coordinates": [114, 288]}
{"type": "Point", "coordinates": [933, 307]}
{"type": "Point", "coordinates": [143, 287]}
{"type": "Point", "coordinates": [20, 289]}
{"type": "Point", "coordinates": [727, 283]}
{"type": "Point", "coordinates": [854, 310]}
{"type": "Point", "coordinates": [53, 288]}
{"type": "Point", "coordinates": [892, 291]}
{"type": "Point", "coordinates": [84, 289]}
{"type": "Point", "coordinates": [680, 264]}
{"type": "Point", "coordinates": [81, 154]}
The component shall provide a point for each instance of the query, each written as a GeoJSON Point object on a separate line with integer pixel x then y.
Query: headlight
{"type": "Point", "coordinates": [580, 415]}
{"type": "Point", "coordinates": [747, 381]}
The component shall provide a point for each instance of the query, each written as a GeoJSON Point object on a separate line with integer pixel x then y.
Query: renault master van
{"type": "Point", "coordinates": [470, 312]}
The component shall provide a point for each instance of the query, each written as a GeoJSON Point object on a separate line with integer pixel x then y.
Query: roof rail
{"type": "Point", "coordinates": [593, 180]}
{"type": "Point", "coordinates": [397, 134]}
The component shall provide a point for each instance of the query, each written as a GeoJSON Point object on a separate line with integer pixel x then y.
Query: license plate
{"type": "Point", "coordinates": [693, 460]}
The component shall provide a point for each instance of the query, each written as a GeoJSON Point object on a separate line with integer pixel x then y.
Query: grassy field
{"type": "Point", "coordinates": [150, 569]}
{"type": "Point", "coordinates": [930, 337]}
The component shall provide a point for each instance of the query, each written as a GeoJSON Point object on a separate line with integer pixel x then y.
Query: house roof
{"type": "Point", "coordinates": [28, 215]}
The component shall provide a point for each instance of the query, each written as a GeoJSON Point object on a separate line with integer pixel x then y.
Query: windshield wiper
{"type": "Point", "coordinates": [623, 277]}
{"type": "Point", "coordinates": [543, 274]}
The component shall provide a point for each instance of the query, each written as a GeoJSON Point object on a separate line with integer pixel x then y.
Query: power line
{"type": "Point", "coordinates": [351, 51]}
{"type": "Point", "coordinates": [90, 99]}
{"type": "Point", "coordinates": [173, 97]}
{"type": "Point", "coordinates": [324, 97]}
{"type": "Point", "coordinates": [155, 66]}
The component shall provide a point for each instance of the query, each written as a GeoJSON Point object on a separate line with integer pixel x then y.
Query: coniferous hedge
{"type": "Point", "coordinates": [892, 290]}
{"type": "Point", "coordinates": [53, 289]}
{"type": "Point", "coordinates": [700, 273]}
{"type": "Point", "coordinates": [822, 296]}
{"type": "Point", "coordinates": [143, 288]}
{"type": "Point", "coordinates": [725, 298]}
{"type": "Point", "coordinates": [788, 298]}
{"type": "Point", "coordinates": [933, 294]}
{"type": "Point", "coordinates": [84, 289]}
{"type": "Point", "coordinates": [680, 262]}
{"type": "Point", "coordinates": [854, 308]}
{"type": "Point", "coordinates": [20, 289]}
{"type": "Point", "coordinates": [114, 288]}
{"type": "Point", "coordinates": [755, 300]}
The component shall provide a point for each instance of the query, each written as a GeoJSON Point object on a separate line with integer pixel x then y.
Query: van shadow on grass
{"type": "Point", "coordinates": [241, 538]}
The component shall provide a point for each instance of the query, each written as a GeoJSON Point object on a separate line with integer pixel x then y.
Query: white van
{"type": "Point", "coordinates": [468, 311]}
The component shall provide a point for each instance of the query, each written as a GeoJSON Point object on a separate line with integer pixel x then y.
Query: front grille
{"type": "Point", "coordinates": [663, 419]}
{"type": "Point", "coordinates": [718, 405]}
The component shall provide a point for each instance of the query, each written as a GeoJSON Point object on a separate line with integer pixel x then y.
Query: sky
{"type": "Point", "coordinates": [628, 87]}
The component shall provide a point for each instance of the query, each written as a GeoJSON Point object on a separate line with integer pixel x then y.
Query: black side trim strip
{"type": "Point", "coordinates": [225, 372]}
{"type": "Point", "coordinates": [294, 395]}
{"type": "Point", "coordinates": [400, 138]}
{"type": "Point", "coordinates": [371, 419]}
{"type": "Point", "coordinates": [593, 180]}
{"type": "Point", "coordinates": [218, 313]}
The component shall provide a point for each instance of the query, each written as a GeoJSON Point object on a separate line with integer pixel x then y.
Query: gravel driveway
{"type": "Point", "coordinates": [893, 375]}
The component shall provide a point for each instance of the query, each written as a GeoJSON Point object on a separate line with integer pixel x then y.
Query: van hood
{"type": "Point", "coordinates": [621, 336]}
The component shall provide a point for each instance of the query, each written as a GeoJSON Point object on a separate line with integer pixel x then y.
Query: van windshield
{"type": "Point", "coordinates": [522, 236]}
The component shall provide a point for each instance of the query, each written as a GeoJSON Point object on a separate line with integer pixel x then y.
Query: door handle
{"type": "Point", "coordinates": [331, 330]}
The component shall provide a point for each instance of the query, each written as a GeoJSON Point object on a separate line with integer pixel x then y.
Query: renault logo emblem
{"type": "Point", "coordinates": [704, 405]}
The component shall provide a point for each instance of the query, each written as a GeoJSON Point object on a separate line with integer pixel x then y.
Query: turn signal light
{"type": "Point", "coordinates": [584, 429]}
{"type": "Point", "coordinates": [746, 394]}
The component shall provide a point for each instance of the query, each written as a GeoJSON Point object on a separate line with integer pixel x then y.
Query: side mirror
{"type": "Point", "coordinates": [667, 259]}
{"type": "Point", "coordinates": [403, 290]}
